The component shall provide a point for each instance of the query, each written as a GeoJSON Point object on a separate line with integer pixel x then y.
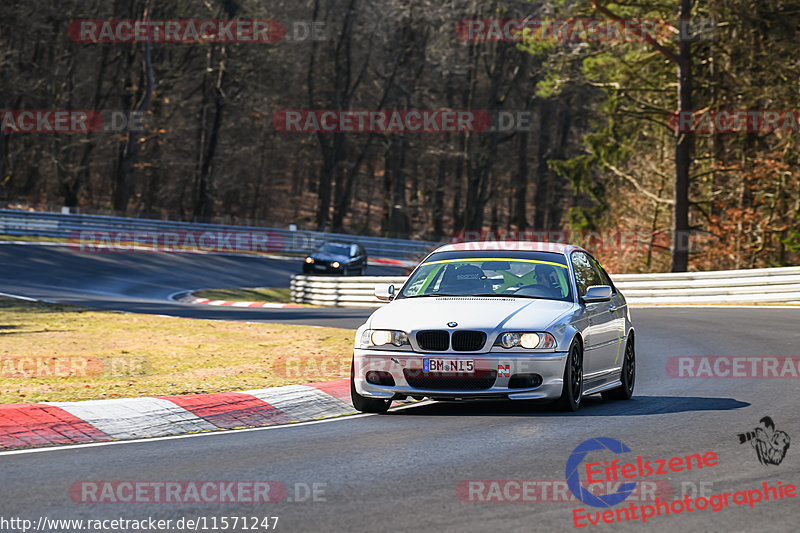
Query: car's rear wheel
{"type": "Point", "coordinates": [572, 390]}
{"type": "Point", "coordinates": [627, 375]}
{"type": "Point", "coordinates": [365, 405]}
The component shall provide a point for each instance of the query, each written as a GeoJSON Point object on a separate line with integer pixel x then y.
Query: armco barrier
{"type": "Point", "coordinates": [768, 285]}
{"type": "Point", "coordinates": [59, 225]}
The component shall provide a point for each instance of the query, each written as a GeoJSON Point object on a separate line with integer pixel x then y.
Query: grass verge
{"type": "Point", "coordinates": [66, 353]}
{"type": "Point", "coordinates": [273, 295]}
{"type": "Point", "coordinates": [31, 238]}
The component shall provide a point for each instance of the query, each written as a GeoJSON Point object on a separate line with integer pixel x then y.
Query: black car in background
{"type": "Point", "coordinates": [342, 258]}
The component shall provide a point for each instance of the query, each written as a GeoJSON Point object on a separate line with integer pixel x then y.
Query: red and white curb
{"type": "Point", "coordinates": [51, 423]}
{"type": "Point", "coordinates": [392, 262]}
{"type": "Point", "coordinates": [228, 303]}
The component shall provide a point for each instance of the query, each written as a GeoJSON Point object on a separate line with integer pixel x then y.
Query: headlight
{"type": "Point", "coordinates": [509, 340]}
{"type": "Point", "coordinates": [309, 260]}
{"type": "Point", "coordinates": [382, 337]}
{"type": "Point", "coordinates": [526, 339]}
{"type": "Point", "coordinates": [335, 264]}
{"type": "Point", "coordinates": [529, 340]}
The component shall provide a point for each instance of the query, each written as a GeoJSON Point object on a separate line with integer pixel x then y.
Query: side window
{"type": "Point", "coordinates": [354, 251]}
{"type": "Point", "coordinates": [585, 273]}
{"type": "Point", "coordinates": [605, 279]}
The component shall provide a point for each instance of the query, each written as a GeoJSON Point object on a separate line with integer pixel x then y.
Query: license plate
{"type": "Point", "coordinates": [462, 366]}
{"type": "Point", "coordinates": [320, 267]}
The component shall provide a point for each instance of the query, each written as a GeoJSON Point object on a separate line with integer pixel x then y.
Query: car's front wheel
{"type": "Point", "coordinates": [365, 405]}
{"type": "Point", "coordinates": [572, 390]}
{"type": "Point", "coordinates": [627, 375]}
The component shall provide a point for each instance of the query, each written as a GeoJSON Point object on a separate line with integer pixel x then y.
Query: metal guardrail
{"type": "Point", "coordinates": [66, 226]}
{"type": "Point", "coordinates": [731, 286]}
{"type": "Point", "coordinates": [769, 285]}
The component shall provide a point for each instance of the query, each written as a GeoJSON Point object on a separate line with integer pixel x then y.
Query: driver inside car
{"type": "Point", "coordinates": [464, 279]}
{"type": "Point", "coordinates": [547, 278]}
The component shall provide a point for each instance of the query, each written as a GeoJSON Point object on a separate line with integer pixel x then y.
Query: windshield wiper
{"type": "Point", "coordinates": [483, 295]}
{"type": "Point", "coordinates": [434, 294]}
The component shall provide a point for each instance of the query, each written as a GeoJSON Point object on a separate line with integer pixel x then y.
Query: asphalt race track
{"type": "Point", "coordinates": [401, 471]}
{"type": "Point", "coordinates": [143, 283]}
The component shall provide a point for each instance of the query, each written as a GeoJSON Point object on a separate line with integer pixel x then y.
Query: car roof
{"type": "Point", "coordinates": [509, 246]}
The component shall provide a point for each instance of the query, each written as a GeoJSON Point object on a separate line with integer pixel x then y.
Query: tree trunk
{"type": "Point", "coordinates": [438, 200]}
{"type": "Point", "coordinates": [213, 95]}
{"type": "Point", "coordinates": [124, 183]}
{"type": "Point", "coordinates": [520, 193]}
{"type": "Point", "coordinates": [543, 154]}
{"type": "Point", "coordinates": [5, 175]}
{"type": "Point", "coordinates": [684, 145]}
{"type": "Point", "coordinates": [396, 223]}
{"type": "Point", "coordinates": [555, 190]}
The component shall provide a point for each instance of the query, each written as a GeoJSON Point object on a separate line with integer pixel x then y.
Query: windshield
{"type": "Point", "coordinates": [530, 275]}
{"type": "Point", "coordinates": [334, 248]}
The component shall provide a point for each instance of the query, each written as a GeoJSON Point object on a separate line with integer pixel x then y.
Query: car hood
{"type": "Point", "coordinates": [469, 312]}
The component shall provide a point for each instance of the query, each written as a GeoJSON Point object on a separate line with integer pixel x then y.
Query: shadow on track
{"type": "Point", "coordinates": [636, 406]}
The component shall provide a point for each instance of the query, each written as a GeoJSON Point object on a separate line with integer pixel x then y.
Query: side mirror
{"type": "Point", "coordinates": [597, 293]}
{"type": "Point", "coordinates": [384, 291]}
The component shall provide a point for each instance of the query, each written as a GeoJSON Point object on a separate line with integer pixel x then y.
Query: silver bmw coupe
{"type": "Point", "coordinates": [505, 320]}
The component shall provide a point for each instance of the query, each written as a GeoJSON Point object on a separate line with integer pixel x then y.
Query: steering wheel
{"type": "Point", "coordinates": [534, 290]}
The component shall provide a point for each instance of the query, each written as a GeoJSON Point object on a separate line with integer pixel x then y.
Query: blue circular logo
{"type": "Point", "coordinates": [574, 482]}
{"type": "Point", "coordinates": [452, 324]}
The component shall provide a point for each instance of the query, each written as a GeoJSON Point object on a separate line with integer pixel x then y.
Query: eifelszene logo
{"type": "Point", "coordinates": [574, 482]}
{"type": "Point", "coordinates": [618, 470]}
{"type": "Point", "coordinates": [769, 443]}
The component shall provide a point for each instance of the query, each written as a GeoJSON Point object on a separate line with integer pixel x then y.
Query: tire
{"type": "Point", "coordinates": [572, 390]}
{"type": "Point", "coordinates": [366, 405]}
{"type": "Point", "coordinates": [627, 375]}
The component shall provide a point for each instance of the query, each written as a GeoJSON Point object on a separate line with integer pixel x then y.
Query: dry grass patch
{"type": "Point", "coordinates": [68, 353]}
{"type": "Point", "coordinates": [276, 295]}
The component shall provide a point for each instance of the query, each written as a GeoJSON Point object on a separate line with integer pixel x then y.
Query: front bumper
{"type": "Point", "coordinates": [311, 268]}
{"type": "Point", "coordinates": [406, 369]}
